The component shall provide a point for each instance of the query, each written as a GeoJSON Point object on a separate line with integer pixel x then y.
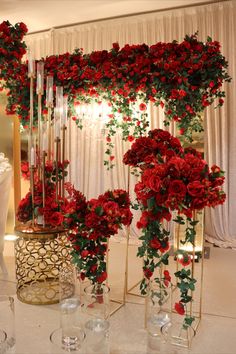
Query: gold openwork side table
{"type": "Point", "coordinates": [40, 253]}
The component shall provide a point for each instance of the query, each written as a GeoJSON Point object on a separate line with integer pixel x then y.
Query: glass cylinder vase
{"type": "Point", "coordinates": [96, 308]}
{"type": "Point", "coordinates": [158, 315]}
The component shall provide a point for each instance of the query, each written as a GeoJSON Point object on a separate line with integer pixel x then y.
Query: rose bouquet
{"type": "Point", "coordinates": [172, 179]}
{"type": "Point", "coordinates": [52, 210]}
{"type": "Point", "coordinates": [91, 224]}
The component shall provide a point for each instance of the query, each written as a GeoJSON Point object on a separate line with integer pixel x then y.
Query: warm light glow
{"type": "Point", "coordinates": [189, 248]}
{"type": "Point", "coordinates": [180, 256]}
{"type": "Point", "coordinates": [10, 237]}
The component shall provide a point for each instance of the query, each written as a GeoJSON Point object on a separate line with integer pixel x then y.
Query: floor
{"type": "Point", "coordinates": [216, 333]}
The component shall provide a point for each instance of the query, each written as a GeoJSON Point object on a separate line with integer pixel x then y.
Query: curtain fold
{"type": "Point", "coordinates": [87, 151]}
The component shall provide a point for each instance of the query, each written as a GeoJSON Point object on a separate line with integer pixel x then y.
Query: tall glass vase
{"type": "Point", "coordinates": [70, 336]}
{"type": "Point", "coordinates": [158, 315]}
{"type": "Point", "coordinates": [96, 308]}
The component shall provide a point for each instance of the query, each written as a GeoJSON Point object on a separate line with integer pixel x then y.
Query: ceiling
{"type": "Point", "coordinates": [45, 14]}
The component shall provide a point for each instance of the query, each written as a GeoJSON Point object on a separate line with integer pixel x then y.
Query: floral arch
{"type": "Point", "coordinates": [183, 78]}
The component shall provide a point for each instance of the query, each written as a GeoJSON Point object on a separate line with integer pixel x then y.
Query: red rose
{"type": "Point", "coordinates": [102, 277]}
{"type": "Point", "coordinates": [84, 253]}
{"type": "Point", "coordinates": [93, 268]}
{"type": "Point", "coordinates": [154, 183]}
{"type": "Point", "coordinates": [23, 27]}
{"type": "Point", "coordinates": [179, 307]}
{"type": "Point", "coordinates": [56, 218]}
{"type": "Point", "coordinates": [155, 244]}
{"type": "Point", "coordinates": [215, 169]}
{"type": "Point", "coordinates": [142, 107]}
{"type": "Point", "coordinates": [147, 273]}
{"type": "Point", "coordinates": [143, 221]}
{"type": "Point", "coordinates": [221, 101]}
{"type": "Point", "coordinates": [130, 138]}
{"type": "Point", "coordinates": [185, 260]}
{"type": "Point", "coordinates": [178, 188]}
{"type": "Point", "coordinates": [198, 203]}
{"type": "Point", "coordinates": [167, 277]}
{"type": "Point", "coordinates": [164, 246]}
{"type": "Point", "coordinates": [116, 46]}
{"type": "Point", "coordinates": [196, 189]}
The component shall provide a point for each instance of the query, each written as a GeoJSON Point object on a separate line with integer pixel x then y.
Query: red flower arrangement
{"type": "Point", "coordinates": [183, 78]}
{"type": "Point", "coordinates": [52, 211]}
{"type": "Point", "coordinates": [91, 223]}
{"type": "Point", "coordinates": [12, 48]}
{"type": "Point", "coordinates": [172, 179]}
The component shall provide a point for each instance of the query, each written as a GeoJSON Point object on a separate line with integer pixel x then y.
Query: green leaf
{"type": "Point", "coordinates": [164, 258]}
{"type": "Point", "coordinates": [151, 202]}
{"type": "Point", "coordinates": [179, 220]}
{"type": "Point", "coordinates": [189, 320]}
{"type": "Point", "coordinates": [99, 211]}
{"type": "Point", "coordinates": [191, 286]}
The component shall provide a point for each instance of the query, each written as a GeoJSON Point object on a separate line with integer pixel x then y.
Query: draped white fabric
{"type": "Point", "coordinates": [5, 187]}
{"type": "Point", "coordinates": [86, 152]}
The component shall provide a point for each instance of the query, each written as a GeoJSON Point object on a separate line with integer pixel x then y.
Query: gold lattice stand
{"type": "Point", "coordinates": [40, 253]}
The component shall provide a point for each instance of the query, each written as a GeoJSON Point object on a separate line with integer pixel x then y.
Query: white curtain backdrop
{"type": "Point", "coordinates": [86, 151]}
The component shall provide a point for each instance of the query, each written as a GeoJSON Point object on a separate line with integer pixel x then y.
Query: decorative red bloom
{"type": "Point", "coordinates": [185, 260]}
{"type": "Point", "coordinates": [142, 107]}
{"type": "Point", "coordinates": [147, 273]}
{"type": "Point", "coordinates": [56, 218]}
{"type": "Point", "coordinates": [167, 277]}
{"type": "Point", "coordinates": [196, 189]}
{"type": "Point", "coordinates": [177, 188]}
{"type": "Point", "coordinates": [84, 253]}
{"type": "Point", "coordinates": [102, 277]}
{"type": "Point", "coordinates": [179, 307]}
{"type": "Point", "coordinates": [155, 243]}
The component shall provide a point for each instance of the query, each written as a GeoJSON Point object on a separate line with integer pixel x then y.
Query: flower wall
{"type": "Point", "coordinates": [183, 78]}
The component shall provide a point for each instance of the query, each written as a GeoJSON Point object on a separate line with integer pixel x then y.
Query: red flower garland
{"type": "Point", "coordinates": [183, 78]}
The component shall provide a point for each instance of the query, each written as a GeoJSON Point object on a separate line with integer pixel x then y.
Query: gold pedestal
{"type": "Point", "coordinates": [40, 253]}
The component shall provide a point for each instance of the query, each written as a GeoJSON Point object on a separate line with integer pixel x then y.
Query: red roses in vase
{"type": "Point", "coordinates": [172, 179]}
{"type": "Point", "coordinates": [91, 224]}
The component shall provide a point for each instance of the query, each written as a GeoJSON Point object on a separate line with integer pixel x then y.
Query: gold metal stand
{"type": "Point", "coordinates": [180, 336]}
{"type": "Point", "coordinates": [58, 143]}
{"type": "Point", "coordinates": [40, 253]}
{"type": "Point", "coordinates": [63, 158]}
{"type": "Point", "coordinates": [117, 303]}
